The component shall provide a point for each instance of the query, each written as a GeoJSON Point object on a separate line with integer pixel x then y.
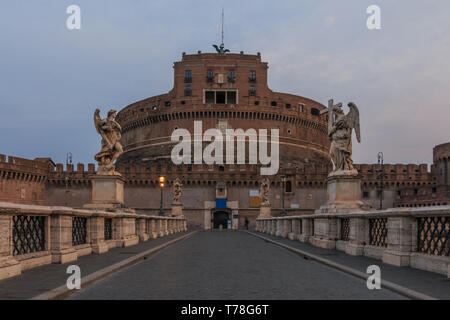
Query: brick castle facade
{"type": "Point", "coordinates": [224, 91]}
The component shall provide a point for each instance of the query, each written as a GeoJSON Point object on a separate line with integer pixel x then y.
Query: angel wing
{"type": "Point", "coordinates": [226, 50]}
{"type": "Point", "coordinates": [97, 121]}
{"type": "Point", "coordinates": [353, 120]}
{"type": "Point", "coordinates": [217, 48]}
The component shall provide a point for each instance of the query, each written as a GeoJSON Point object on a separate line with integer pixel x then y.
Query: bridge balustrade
{"type": "Point", "coordinates": [31, 236]}
{"type": "Point", "coordinates": [415, 237]}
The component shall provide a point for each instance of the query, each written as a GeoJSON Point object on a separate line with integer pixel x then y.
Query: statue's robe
{"type": "Point", "coordinates": [341, 145]}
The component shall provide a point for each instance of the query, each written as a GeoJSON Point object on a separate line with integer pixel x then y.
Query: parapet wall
{"type": "Point", "coordinates": [23, 180]}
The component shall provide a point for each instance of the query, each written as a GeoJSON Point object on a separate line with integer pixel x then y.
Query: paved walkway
{"type": "Point", "coordinates": [229, 265]}
{"type": "Point", "coordinates": [39, 280]}
{"type": "Point", "coordinates": [225, 265]}
{"type": "Point", "coordinates": [429, 283]}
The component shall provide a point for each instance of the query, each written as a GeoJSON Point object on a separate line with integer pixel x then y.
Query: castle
{"type": "Point", "coordinates": [224, 91]}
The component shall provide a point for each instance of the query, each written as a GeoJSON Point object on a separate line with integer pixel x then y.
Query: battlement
{"type": "Point", "coordinates": [306, 171]}
{"type": "Point", "coordinates": [38, 163]}
{"type": "Point", "coordinates": [214, 56]}
{"type": "Point", "coordinates": [396, 169]}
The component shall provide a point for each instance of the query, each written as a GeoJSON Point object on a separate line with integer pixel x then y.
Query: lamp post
{"type": "Point", "coordinates": [283, 179]}
{"type": "Point", "coordinates": [381, 175]}
{"type": "Point", "coordinates": [66, 178]}
{"type": "Point", "coordinates": [162, 181]}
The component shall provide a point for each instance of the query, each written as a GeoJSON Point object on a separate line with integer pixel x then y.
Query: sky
{"type": "Point", "coordinates": [53, 78]}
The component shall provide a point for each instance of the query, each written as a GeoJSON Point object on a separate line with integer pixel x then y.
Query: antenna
{"type": "Point", "coordinates": [221, 49]}
{"type": "Point", "coordinates": [222, 25]}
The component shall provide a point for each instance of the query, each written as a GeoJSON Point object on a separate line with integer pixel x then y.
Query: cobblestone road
{"type": "Point", "coordinates": [229, 265]}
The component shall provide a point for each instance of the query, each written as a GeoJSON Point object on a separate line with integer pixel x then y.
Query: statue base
{"type": "Point", "coordinates": [344, 194]}
{"type": "Point", "coordinates": [177, 209]}
{"type": "Point", "coordinates": [264, 212]}
{"type": "Point", "coordinates": [107, 191]}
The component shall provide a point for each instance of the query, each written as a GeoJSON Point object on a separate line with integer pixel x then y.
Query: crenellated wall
{"type": "Point", "coordinates": [40, 181]}
{"type": "Point", "coordinates": [23, 180]}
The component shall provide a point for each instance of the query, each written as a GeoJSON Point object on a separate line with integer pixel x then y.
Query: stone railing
{"type": "Point", "coordinates": [416, 237]}
{"type": "Point", "coordinates": [32, 236]}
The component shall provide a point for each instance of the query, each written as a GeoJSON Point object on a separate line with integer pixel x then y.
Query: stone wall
{"type": "Point", "coordinates": [23, 180]}
{"type": "Point", "coordinates": [62, 234]}
{"type": "Point", "coordinates": [416, 237]}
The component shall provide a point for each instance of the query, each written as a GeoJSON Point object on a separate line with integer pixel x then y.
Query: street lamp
{"type": "Point", "coordinates": [162, 184]}
{"type": "Point", "coordinates": [381, 175]}
{"type": "Point", "coordinates": [283, 212]}
{"type": "Point", "coordinates": [66, 178]}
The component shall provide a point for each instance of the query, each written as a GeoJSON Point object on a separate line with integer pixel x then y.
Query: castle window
{"type": "Point", "coordinates": [188, 90]}
{"type": "Point", "coordinates": [288, 187]}
{"type": "Point", "coordinates": [301, 107]}
{"type": "Point", "coordinates": [289, 131]}
{"type": "Point", "coordinates": [183, 102]}
{"type": "Point", "coordinates": [288, 105]}
{"type": "Point", "coordinates": [221, 168]}
{"type": "Point", "coordinates": [366, 194]}
{"type": "Point", "coordinates": [231, 76]}
{"type": "Point", "coordinates": [315, 112]}
{"type": "Point", "coordinates": [252, 75]}
{"type": "Point", "coordinates": [231, 97]}
{"type": "Point", "coordinates": [209, 97]}
{"type": "Point", "coordinates": [252, 91]}
{"type": "Point", "coordinates": [209, 75]}
{"type": "Point", "coordinates": [220, 97]}
{"type": "Point", "coordinates": [167, 103]}
{"type": "Point", "coordinates": [256, 103]}
{"type": "Point", "coordinates": [273, 103]}
{"type": "Point", "coordinates": [188, 76]}
{"type": "Point", "coordinates": [154, 108]}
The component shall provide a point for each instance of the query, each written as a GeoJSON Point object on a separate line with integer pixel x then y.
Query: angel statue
{"type": "Point", "coordinates": [110, 131]}
{"type": "Point", "coordinates": [177, 191]}
{"type": "Point", "coordinates": [264, 192]}
{"type": "Point", "coordinates": [340, 127]}
{"type": "Point", "coordinates": [221, 49]}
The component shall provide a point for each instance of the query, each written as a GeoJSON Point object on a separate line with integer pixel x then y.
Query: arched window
{"type": "Point", "coordinates": [315, 112]}
{"type": "Point", "coordinates": [273, 103]}
{"type": "Point", "coordinates": [288, 187]}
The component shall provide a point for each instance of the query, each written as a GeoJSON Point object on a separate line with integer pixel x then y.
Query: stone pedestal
{"type": "Point", "coordinates": [124, 227]}
{"type": "Point", "coordinates": [357, 237]}
{"type": "Point", "coordinates": [97, 227]}
{"type": "Point", "coordinates": [400, 241]}
{"type": "Point", "coordinates": [107, 192]}
{"type": "Point", "coordinates": [9, 267]}
{"type": "Point", "coordinates": [344, 195]}
{"type": "Point", "coordinates": [325, 233]}
{"type": "Point", "coordinates": [177, 210]}
{"type": "Point", "coordinates": [264, 212]}
{"type": "Point", "coordinates": [61, 239]}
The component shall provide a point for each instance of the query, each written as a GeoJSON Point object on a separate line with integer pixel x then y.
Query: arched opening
{"type": "Point", "coordinates": [220, 218]}
{"type": "Point", "coordinates": [288, 186]}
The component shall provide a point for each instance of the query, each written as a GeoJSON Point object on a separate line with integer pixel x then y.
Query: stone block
{"type": "Point", "coordinates": [107, 191]}
{"type": "Point", "coordinates": [177, 210]}
{"type": "Point", "coordinates": [9, 267]}
{"type": "Point", "coordinates": [396, 258]}
{"type": "Point", "coordinates": [265, 212]}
